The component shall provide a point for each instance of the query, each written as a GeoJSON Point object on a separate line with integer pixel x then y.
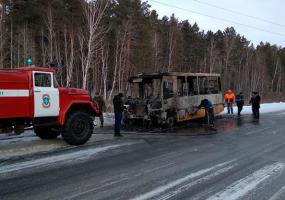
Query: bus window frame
{"type": "Point", "coordinates": [173, 81]}
{"type": "Point", "coordinates": [183, 83]}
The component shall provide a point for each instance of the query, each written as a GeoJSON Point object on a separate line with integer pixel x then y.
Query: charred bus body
{"type": "Point", "coordinates": [163, 99]}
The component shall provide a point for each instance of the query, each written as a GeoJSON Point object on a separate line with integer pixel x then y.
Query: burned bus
{"type": "Point", "coordinates": [164, 99]}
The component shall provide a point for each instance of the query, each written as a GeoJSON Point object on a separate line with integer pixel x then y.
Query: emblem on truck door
{"type": "Point", "coordinates": [46, 101]}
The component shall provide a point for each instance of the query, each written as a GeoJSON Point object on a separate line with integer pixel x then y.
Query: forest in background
{"type": "Point", "coordinates": [97, 45]}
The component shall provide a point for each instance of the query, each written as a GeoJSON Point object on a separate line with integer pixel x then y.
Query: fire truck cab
{"type": "Point", "coordinates": [31, 96]}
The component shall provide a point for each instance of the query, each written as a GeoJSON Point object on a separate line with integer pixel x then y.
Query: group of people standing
{"type": "Point", "coordinates": [230, 99]}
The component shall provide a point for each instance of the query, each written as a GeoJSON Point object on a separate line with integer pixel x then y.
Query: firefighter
{"type": "Point", "coordinates": [229, 100]}
{"type": "Point", "coordinates": [102, 106]}
{"type": "Point", "coordinates": [240, 102]}
{"type": "Point", "coordinates": [255, 104]}
{"type": "Point", "coordinates": [118, 110]}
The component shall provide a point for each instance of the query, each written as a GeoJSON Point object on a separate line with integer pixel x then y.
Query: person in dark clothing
{"type": "Point", "coordinates": [255, 104]}
{"type": "Point", "coordinates": [209, 111]}
{"type": "Point", "coordinates": [240, 102]}
{"type": "Point", "coordinates": [250, 102]}
{"type": "Point", "coordinates": [118, 110]}
{"type": "Point", "coordinates": [102, 106]}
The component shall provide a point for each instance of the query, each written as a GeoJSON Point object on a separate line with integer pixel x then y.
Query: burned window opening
{"type": "Point", "coordinates": [168, 90]}
{"type": "Point", "coordinates": [193, 86]}
{"type": "Point", "coordinates": [209, 85]}
{"type": "Point", "coordinates": [182, 86]}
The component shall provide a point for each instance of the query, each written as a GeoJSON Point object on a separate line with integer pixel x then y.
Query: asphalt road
{"type": "Point", "coordinates": [244, 160]}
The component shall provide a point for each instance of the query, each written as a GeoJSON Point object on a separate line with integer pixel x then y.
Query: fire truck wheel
{"type": "Point", "coordinates": [78, 128]}
{"type": "Point", "coordinates": [46, 133]}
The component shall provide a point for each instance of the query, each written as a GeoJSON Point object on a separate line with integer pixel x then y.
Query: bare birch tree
{"type": "Point", "coordinates": [212, 55]}
{"type": "Point", "coordinates": [93, 13]}
{"type": "Point", "coordinates": [115, 69]}
{"type": "Point", "coordinates": [11, 44]}
{"type": "Point", "coordinates": [43, 48]}
{"type": "Point", "coordinates": [105, 58]}
{"type": "Point", "coordinates": [275, 73]}
{"type": "Point", "coordinates": [229, 45]}
{"type": "Point", "coordinates": [172, 39]}
{"type": "Point", "coordinates": [2, 36]}
{"type": "Point", "coordinates": [69, 55]}
{"type": "Point", "coordinates": [156, 50]}
{"type": "Point", "coordinates": [121, 57]}
{"type": "Point", "coordinates": [48, 19]}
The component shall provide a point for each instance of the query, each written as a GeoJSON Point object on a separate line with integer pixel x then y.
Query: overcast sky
{"type": "Point", "coordinates": [268, 10]}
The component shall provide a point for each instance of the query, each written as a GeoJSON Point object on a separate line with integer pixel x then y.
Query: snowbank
{"type": "Point", "coordinates": [109, 120]}
{"type": "Point", "coordinates": [264, 108]}
{"type": "Point", "coordinates": [9, 138]}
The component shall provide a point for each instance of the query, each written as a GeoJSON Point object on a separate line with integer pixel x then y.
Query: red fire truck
{"type": "Point", "coordinates": [31, 96]}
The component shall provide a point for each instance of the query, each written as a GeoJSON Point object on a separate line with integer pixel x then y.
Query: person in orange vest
{"type": "Point", "coordinates": [230, 98]}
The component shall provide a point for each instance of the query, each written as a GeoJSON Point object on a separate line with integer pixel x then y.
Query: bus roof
{"type": "Point", "coordinates": [160, 75]}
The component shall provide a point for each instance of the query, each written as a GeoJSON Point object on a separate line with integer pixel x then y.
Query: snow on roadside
{"type": "Point", "coordinates": [65, 157]}
{"type": "Point", "coordinates": [8, 138]}
{"type": "Point", "coordinates": [264, 108]}
{"type": "Point", "coordinates": [109, 120]}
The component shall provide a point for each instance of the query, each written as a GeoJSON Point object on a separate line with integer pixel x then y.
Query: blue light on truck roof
{"type": "Point", "coordinates": [29, 61]}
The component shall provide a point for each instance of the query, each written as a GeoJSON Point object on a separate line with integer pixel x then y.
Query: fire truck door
{"type": "Point", "coordinates": [46, 96]}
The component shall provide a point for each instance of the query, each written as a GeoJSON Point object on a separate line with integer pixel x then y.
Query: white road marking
{"type": "Point", "coordinates": [179, 190]}
{"type": "Point", "coordinates": [79, 155]}
{"type": "Point", "coordinates": [279, 195]}
{"type": "Point", "coordinates": [170, 185]}
{"type": "Point", "coordinates": [243, 186]}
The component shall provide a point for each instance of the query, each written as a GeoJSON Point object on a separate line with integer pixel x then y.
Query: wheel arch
{"type": "Point", "coordinates": [89, 107]}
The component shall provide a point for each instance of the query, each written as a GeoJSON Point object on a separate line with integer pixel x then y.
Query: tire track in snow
{"type": "Point", "coordinates": [243, 186]}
